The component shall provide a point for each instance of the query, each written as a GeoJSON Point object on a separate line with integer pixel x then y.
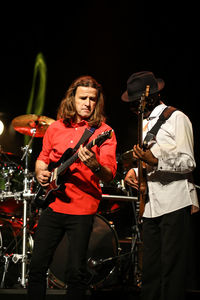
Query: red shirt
{"type": "Point", "coordinates": [82, 185]}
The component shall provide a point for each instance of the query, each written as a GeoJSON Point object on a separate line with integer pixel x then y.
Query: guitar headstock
{"type": "Point", "coordinates": [143, 101]}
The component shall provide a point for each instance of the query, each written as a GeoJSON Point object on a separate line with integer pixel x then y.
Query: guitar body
{"type": "Point", "coordinates": [45, 196]}
{"type": "Point", "coordinates": [43, 199]}
{"type": "Point", "coordinates": [56, 187]}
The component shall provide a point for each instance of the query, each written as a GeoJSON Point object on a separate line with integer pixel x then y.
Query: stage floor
{"type": "Point", "coordinates": [114, 293]}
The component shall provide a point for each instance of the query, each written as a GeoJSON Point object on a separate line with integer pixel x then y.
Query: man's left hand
{"type": "Point", "coordinates": [88, 157]}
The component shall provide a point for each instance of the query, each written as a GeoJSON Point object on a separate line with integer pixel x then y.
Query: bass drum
{"type": "Point", "coordinates": [102, 256]}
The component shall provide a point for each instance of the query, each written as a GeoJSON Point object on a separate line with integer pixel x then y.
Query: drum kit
{"type": "Point", "coordinates": [108, 250]}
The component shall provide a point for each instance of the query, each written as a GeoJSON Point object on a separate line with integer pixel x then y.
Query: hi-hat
{"type": "Point", "coordinates": [28, 124]}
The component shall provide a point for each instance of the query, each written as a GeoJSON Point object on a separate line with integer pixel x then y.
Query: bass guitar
{"type": "Point", "coordinates": [45, 195]}
{"type": "Point", "coordinates": [142, 185]}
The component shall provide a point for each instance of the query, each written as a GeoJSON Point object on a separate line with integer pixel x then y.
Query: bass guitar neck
{"type": "Point", "coordinates": [142, 185]}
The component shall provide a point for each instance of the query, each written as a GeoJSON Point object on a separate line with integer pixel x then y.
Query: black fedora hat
{"type": "Point", "coordinates": [136, 85]}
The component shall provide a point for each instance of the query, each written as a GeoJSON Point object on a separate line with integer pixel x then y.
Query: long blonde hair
{"type": "Point", "coordinates": [67, 110]}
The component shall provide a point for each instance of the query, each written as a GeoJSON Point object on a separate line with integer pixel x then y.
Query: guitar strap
{"type": "Point", "coordinates": [85, 137]}
{"type": "Point", "coordinates": [151, 134]}
{"type": "Point", "coordinates": [70, 151]}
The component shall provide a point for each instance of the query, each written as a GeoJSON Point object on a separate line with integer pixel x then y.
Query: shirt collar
{"type": "Point", "coordinates": [157, 111]}
{"type": "Point", "coordinates": [79, 124]}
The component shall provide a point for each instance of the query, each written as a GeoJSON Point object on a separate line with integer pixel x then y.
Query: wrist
{"type": "Point", "coordinates": [155, 162]}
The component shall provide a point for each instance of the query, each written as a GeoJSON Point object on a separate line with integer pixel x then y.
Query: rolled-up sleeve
{"type": "Point", "coordinates": [108, 154]}
{"type": "Point", "coordinates": [175, 151]}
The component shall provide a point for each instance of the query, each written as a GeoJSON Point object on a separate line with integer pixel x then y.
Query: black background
{"type": "Point", "coordinates": [104, 39]}
{"type": "Point", "coordinates": [109, 40]}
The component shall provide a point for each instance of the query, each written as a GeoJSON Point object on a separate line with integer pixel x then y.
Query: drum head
{"type": "Point", "coordinates": [103, 245]}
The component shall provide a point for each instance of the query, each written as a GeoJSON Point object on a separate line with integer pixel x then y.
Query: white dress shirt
{"type": "Point", "coordinates": [170, 184]}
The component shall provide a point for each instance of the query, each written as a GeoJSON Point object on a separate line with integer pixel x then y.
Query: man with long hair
{"type": "Point", "coordinates": [75, 204]}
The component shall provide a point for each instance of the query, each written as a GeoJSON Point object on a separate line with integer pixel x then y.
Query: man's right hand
{"type": "Point", "coordinates": [43, 177]}
{"type": "Point", "coordinates": [42, 174]}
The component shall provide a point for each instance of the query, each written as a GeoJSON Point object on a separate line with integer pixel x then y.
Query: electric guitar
{"type": "Point", "coordinates": [45, 195]}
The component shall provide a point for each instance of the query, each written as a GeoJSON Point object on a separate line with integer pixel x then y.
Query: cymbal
{"type": "Point", "coordinates": [26, 124]}
{"type": "Point", "coordinates": [127, 160]}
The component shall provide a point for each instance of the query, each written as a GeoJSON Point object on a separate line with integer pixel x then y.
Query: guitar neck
{"type": "Point", "coordinates": [140, 142]}
{"type": "Point", "coordinates": [141, 178]}
{"type": "Point", "coordinates": [140, 129]}
{"type": "Point", "coordinates": [72, 159]}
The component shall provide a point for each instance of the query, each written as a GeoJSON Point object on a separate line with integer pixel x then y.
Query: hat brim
{"type": "Point", "coordinates": [160, 83]}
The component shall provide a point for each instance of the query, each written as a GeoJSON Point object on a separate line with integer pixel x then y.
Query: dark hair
{"type": "Point", "coordinates": [67, 110]}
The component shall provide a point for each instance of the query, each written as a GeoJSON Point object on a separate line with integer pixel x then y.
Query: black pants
{"type": "Point", "coordinates": [166, 240]}
{"type": "Point", "coordinates": [50, 230]}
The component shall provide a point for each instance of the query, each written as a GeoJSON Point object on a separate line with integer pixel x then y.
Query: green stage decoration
{"type": "Point", "coordinates": [37, 95]}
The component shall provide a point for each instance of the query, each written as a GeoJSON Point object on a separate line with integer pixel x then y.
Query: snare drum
{"type": "Point", "coordinates": [11, 178]}
{"type": "Point", "coordinates": [11, 187]}
{"type": "Point", "coordinates": [11, 181]}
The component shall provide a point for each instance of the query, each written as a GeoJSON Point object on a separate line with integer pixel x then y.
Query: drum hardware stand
{"type": "Point", "coordinates": [92, 263]}
{"type": "Point", "coordinates": [26, 195]}
{"type": "Point", "coordinates": [136, 240]}
{"type": "Point", "coordinates": [6, 264]}
{"type": "Point", "coordinates": [15, 258]}
{"type": "Point", "coordinates": [6, 258]}
{"type": "Point", "coordinates": [23, 256]}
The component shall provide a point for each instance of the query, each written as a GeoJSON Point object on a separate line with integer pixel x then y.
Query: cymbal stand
{"type": "Point", "coordinates": [26, 195]}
